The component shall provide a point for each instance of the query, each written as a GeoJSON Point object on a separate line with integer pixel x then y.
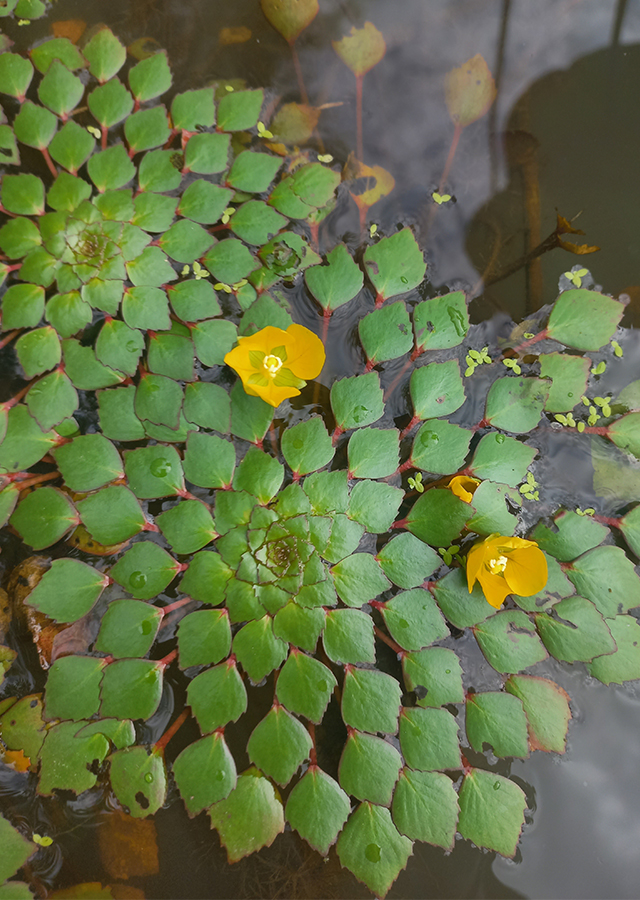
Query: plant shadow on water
{"type": "Point", "coordinates": [479, 229]}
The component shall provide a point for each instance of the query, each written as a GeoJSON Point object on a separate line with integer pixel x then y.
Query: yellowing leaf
{"type": "Point", "coordinates": [469, 91]}
{"type": "Point", "coordinates": [290, 17]}
{"type": "Point", "coordinates": [379, 182]}
{"type": "Point", "coordinates": [294, 123]}
{"type": "Point", "coordinates": [361, 49]}
{"type": "Point", "coordinates": [236, 34]}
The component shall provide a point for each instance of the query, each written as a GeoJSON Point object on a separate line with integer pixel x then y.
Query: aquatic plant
{"type": "Point", "coordinates": [291, 548]}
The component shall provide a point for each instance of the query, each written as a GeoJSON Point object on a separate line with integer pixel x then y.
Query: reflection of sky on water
{"type": "Point", "coordinates": [583, 842]}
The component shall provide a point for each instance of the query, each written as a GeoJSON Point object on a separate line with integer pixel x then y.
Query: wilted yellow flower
{"type": "Point", "coordinates": [463, 486]}
{"type": "Point", "coordinates": [274, 364]}
{"type": "Point", "coordinates": [506, 565]}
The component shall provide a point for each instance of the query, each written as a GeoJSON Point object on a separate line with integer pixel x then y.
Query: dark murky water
{"type": "Point", "coordinates": [568, 76]}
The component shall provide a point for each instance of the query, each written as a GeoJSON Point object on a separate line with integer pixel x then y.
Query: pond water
{"type": "Point", "coordinates": [563, 137]}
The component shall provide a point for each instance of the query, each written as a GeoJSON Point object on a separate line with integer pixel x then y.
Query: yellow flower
{"type": "Point", "coordinates": [506, 565]}
{"type": "Point", "coordinates": [274, 364]}
{"type": "Point", "coordinates": [463, 486]}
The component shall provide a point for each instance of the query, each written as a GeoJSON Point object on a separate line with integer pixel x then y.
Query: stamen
{"type": "Point", "coordinates": [272, 365]}
{"type": "Point", "coordinates": [497, 566]}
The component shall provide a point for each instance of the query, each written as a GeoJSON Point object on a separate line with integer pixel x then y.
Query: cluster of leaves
{"type": "Point", "coordinates": [296, 558]}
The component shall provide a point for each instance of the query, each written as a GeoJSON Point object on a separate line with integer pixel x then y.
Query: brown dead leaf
{"type": "Point", "coordinates": [69, 28]}
{"type": "Point", "coordinates": [128, 846]}
{"type": "Point", "coordinates": [17, 760]}
{"type": "Point", "coordinates": [5, 614]}
{"type": "Point", "coordinates": [235, 34]}
{"type": "Point", "coordinates": [22, 581]}
{"type": "Point", "coordinates": [81, 538]}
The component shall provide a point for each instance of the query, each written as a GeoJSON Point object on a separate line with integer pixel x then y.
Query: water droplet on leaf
{"type": "Point", "coordinates": [160, 467]}
{"type": "Point", "coordinates": [148, 777]}
{"type": "Point", "coordinates": [137, 579]}
{"type": "Point", "coordinates": [500, 439]}
{"type": "Point", "coordinates": [496, 785]}
{"type": "Point", "coordinates": [372, 852]}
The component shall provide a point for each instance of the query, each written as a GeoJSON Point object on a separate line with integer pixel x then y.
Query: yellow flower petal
{"type": "Point", "coordinates": [506, 565]}
{"type": "Point", "coordinates": [295, 355]}
{"type": "Point", "coordinates": [475, 561]}
{"type": "Point", "coordinates": [494, 588]}
{"type": "Point", "coordinates": [526, 571]}
{"type": "Point", "coordinates": [305, 352]}
{"type": "Point", "coordinates": [463, 486]}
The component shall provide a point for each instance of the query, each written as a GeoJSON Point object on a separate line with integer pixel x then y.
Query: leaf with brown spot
{"type": "Point", "coordinates": [376, 181]}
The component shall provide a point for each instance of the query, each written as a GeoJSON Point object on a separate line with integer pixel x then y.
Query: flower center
{"type": "Point", "coordinates": [272, 365]}
{"type": "Point", "coordinates": [497, 566]}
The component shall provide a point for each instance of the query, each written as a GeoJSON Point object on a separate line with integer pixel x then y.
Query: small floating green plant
{"type": "Point", "coordinates": [334, 551]}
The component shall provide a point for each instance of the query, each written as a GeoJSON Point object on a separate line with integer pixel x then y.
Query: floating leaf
{"type": "Point", "coordinates": [509, 641]}
{"type": "Point", "coordinates": [15, 75]}
{"type": "Point", "coordinates": [438, 516]}
{"type": "Point", "coordinates": [253, 800]}
{"type": "Point", "coordinates": [585, 320]}
{"type": "Point", "coordinates": [144, 571]}
{"type": "Point", "coordinates": [516, 404]}
{"type": "Point", "coordinates": [574, 630]}
{"type": "Point", "coordinates": [570, 535]}
{"type": "Point", "coordinates": [67, 591]}
{"type": "Point", "coordinates": [608, 578]}
{"type": "Point", "coordinates": [16, 849]}
{"type": "Point", "coordinates": [437, 673]}
{"type": "Point", "coordinates": [73, 687]}
{"type": "Point", "coordinates": [491, 811]}
{"type": "Point", "coordinates": [44, 517]}
{"type": "Point", "coordinates": [425, 807]}
{"type": "Point", "coordinates": [217, 696]}
{"type": "Point", "coordinates": [414, 620]}
{"type": "Point", "coordinates": [67, 759]}
{"type": "Point", "coordinates": [131, 689]}
{"type": "Point", "coordinates": [129, 628]}
{"type": "Point", "coordinates": [371, 847]}
{"type": "Point", "coordinates": [568, 376]}
{"type": "Point", "coordinates": [497, 719]}
{"type": "Point", "coordinates": [139, 780]}
{"type": "Point", "coordinates": [239, 110]}
{"type": "Point", "coordinates": [305, 686]}
{"type": "Point", "coordinates": [369, 768]}
{"type": "Point", "coordinates": [395, 264]}
{"type": "Point", "coordinates": [187, 527]}
{"type": "Point", "coordinates": [150, 77]}
{"type": "Point", "coordinates": [335, 283]}
{"type": "Point", "coordinates": [429, 739]}
{"type": "Point", "coordinates": [205, 773]}
{"type": "Point", "coordinates": [437, 389]}
{"type": "Point", "coordinates": [257, 649]}
{"type": "Point", "coordinates": [105, 54]}
{"type": "Point", "coordinates": [407, 561]}
{"type": "Point", "coordinates": [441, 322]}
{"type": "Point", "coordinates": [440, 447]}
{"type": "Point", "coordinates": [204, 637]}
{"type": "Point", "coordinates": [370, 701]}
{"type": "Point", "coordinates": [307, 446]}
{"type": "Point", "coordinates": [278, 745]}
{"type": "Point", "coordinates": [88, 462]}
{"type": "Point", "coordinates": [546, 706]}
{"type": "Point", "coordinates": [317, 809]}
{"type": "Point", "coordinates": [357, 401]}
